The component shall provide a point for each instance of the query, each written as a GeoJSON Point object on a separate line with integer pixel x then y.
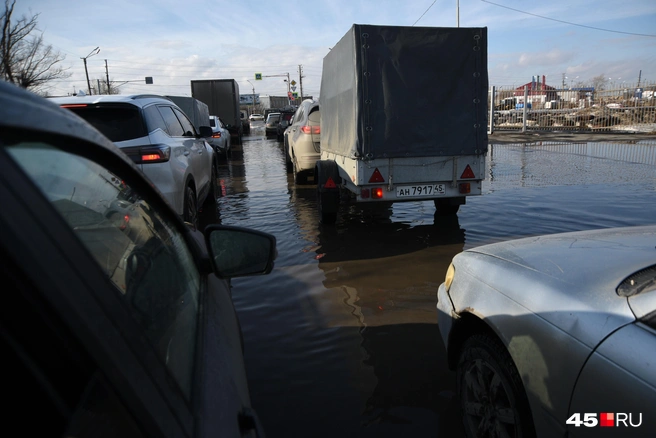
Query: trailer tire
{"type": "Point", "coordinates": [444, 207]}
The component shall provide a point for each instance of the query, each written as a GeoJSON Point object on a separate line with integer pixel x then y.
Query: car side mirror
{"type": "Point", "coordinates": [205, 131]}
{"type": "Point", "coordinates": [239, 252]}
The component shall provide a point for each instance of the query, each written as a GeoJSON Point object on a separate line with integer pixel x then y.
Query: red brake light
{"type": "Point", "coordinates": [216, 135]}
{"type": "Point", "coordinates": [305, 129]}
{"type": "Point", "coordinates": [464, 188]}
{"type": "Point", "coordinates": [148, 154]}
{"type": "Point", "coordinates": [74, 105]}
{"type": "Point", "coordinates": [376, 177]}
{"type": "Point", "coordinates": [377, 193]}
{"type": "Point", "coordinates": [150, 157]}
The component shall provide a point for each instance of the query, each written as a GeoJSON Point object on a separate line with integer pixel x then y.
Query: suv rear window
{"type": "Point", "coordinates": [116, 122]}
{"type": "Point", "coordinates": [287, 116]}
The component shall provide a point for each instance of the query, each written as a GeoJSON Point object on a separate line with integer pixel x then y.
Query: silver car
{"type": "Point", "coordinates": [554, 335]}
{"type": "Point", "coordinates": [220, 136]}
{"type": "Point", "coordinates": [302, 141]}
{"type": "Point", "coordinates": [161, 140]}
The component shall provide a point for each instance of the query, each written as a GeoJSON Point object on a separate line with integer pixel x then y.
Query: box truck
{"type": "Point", "coordinates": [222, 98]}
{"type": "Point", "coordinates": [403, 117]}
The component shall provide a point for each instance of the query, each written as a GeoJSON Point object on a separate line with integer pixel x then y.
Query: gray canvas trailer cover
{"type": "Point", "coordinates": [394, 91]}
{"type": "Point", "coordinates": [196, 110]}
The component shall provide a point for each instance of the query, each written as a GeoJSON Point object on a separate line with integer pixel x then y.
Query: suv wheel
{"type": "Point", "coordinates": [190, 213]}
{"type": "Point", "coordinates": [214, 191]}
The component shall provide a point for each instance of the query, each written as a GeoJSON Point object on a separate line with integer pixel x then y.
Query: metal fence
{"type": "Point", "coordinates": [625, 109]}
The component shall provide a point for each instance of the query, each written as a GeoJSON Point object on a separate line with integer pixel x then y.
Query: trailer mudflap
{"type": "Point", "coordinates": [328, 186]}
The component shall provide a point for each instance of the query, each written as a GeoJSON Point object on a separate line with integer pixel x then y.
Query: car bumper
{"type": "Point", "coordinates": [445, 313]}
{"type": "Point", "coordinates": [307, 162]}
{"type": "Point", "coordinates": [167, 182]}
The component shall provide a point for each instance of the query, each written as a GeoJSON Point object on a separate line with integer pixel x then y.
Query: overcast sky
{"type": "Point", "coordinates": [176, 41]}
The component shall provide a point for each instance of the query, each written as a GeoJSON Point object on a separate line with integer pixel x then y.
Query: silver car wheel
{"type": "Point", "coordinates": [491, 393]}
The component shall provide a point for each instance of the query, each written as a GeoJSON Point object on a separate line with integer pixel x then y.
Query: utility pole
{"type": "Point", "coordinates": [107, 74]}
{"type": "Point", "coordinates": [300, 79]}
{"type": "Point", "coordinates": [457, 13]}
{"type": "Point", "coordinates": [564, 77]}
{"type": "Point", "coordinates": [98, 86]}
{"type": "Point", "coordinates": [93, 52]}
{"type": "Point", "coordinates": [639, 77]}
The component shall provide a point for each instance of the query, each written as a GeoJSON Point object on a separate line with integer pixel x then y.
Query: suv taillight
{"type": "Point", "coordinates": [310, 129]}
{"type": "Point", "coordinates": [148, 154]}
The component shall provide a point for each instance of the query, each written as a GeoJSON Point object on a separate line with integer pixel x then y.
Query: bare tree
{"type": "Point", "coordinates": [25, 59]}
{"type": "Point", "coordinates": [599, 82]}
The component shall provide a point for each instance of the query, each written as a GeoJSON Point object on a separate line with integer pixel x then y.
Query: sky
{"type": "Point", "coordinates": [570, 42]}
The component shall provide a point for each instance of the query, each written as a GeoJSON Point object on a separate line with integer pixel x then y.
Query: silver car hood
{"type": "Point", "coordinates": [595, 260]}
{"type": "Point", "coordinates": [566, 279]}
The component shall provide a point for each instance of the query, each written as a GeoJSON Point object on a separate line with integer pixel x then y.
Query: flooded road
{"type": "Point", "coordinates": [341, 338]}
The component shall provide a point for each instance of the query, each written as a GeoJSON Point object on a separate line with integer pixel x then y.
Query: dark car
{"type": "Point", "coordinates": [271, 125]}
{"type": "Point", "coordinates": [118, 318]}
{"type": "Point", "coordinates": [285, 121]}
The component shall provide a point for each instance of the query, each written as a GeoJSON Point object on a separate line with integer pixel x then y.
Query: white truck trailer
{"type": "Point", "coordinates": [403, 117]}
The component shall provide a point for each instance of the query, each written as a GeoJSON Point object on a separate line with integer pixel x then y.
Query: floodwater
{"type": "Point", "coordinates": [341, 339]}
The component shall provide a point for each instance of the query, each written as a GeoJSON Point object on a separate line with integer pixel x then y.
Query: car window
{"type": "Point", "coordinates": [298, 116]}
{"type": "Point", "coordinates": [173, 125]}
{"type": "Point", "coordinates": [117, 122]}
{"type": "Point", "coordinates": [139, 249]}
{"type": "Point", "coordinates": [154, 119]}
{"type": "Point", "coordinates": [212, 122]}
{"type": "Point", "coordinates": [187, 126]}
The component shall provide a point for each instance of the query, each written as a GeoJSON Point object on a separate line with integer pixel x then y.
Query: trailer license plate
{"type": "Point", "coordinates": [426, 190]}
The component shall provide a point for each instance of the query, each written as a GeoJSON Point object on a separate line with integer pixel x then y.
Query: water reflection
{"type": "Point", "coordinates": [341, 338]}
{"type": "Point", "coordinates": [544, 164]}
{"type": "Point", "coordinates": [381, 277]}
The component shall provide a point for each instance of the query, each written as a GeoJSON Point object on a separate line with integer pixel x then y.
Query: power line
{"type": "Point", "coordinates": [424, 13]}
{"type": "Point", "coordinates": [568, 22]}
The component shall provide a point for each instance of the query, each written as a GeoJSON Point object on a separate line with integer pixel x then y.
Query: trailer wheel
{"type": "Point", "coordinates": [443, 207]}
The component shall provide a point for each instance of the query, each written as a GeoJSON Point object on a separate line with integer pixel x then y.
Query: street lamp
{"type": "Point", "coordinates": [93, 52]}
{"type": "Point", "coordinates": [253, 101]}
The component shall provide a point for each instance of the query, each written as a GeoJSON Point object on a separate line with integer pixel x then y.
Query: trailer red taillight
{"type": "Point", "coordinates": [364, 193]}
{"type": "Point", "coordinates": [330, 184]}
{"type": "Point", "coordinates": [377, 193]}
{"type": "Point", "coordinates": [464, 188]}
{"type": "Point", "coordinates": [468, 173]}
{"type": "Point", "coordinates": [376, 177]}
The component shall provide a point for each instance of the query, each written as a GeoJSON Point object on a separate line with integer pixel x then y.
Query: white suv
{"type": "Point", "coordinates": [302, 140]}
{"type": "Point", "coordinates": [157, 135]}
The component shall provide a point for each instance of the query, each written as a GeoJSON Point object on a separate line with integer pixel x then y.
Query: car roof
{"type": "Point", "coordinates": [140, 100]}
{"type": "Point", "coordinates": [18, 103]}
